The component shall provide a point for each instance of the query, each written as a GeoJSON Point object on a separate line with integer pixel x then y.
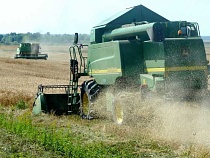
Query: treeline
{"type": "Point", "coordinates": [16, 38]}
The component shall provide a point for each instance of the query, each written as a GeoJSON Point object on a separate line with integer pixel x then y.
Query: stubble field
{"type": "Point", "coordinates": [161, 131]}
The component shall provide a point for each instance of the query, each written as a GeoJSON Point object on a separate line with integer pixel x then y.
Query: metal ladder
{"type": "Point", "coordinates": [77, 68]}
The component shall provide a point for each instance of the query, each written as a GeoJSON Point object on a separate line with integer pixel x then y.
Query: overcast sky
{"type": "Point", "coordinates": [70, 16]}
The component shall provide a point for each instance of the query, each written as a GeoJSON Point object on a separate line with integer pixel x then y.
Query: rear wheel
{"type": "Point", "coordinates": [118, 103]}
{"type": "Point", "coordinates": [118, 113]}
{"type": "Point", "coordinates": [121, 108]}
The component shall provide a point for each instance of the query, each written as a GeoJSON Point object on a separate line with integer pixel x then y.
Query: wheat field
{"type": "Point", "coordinates": [20, 79]}
{"type": "Point", "coordinates": [21, 76]}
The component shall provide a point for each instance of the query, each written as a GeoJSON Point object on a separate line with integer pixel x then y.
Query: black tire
{"type": "Point", "coordinates": [89, 92]}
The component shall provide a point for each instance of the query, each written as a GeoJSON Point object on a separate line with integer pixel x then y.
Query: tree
{"type": "Point", "coordinates": [42, 38]}
{"type": "Point", "coordinates": [1, 36]}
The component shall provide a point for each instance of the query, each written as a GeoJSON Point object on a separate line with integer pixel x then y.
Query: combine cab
{"type": "Point", "coordinates": [137, 48]}
{"type": "Point", "coordinates": [30, 51]}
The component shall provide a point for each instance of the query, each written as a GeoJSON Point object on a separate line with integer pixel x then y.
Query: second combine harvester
{"type": "Point", "coordinates": [135, 48]}
{"type": "Point", "coordinates": [29, 51]}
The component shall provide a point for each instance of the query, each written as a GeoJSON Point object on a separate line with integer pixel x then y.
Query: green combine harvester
{"type": "Point", "coordinates": [30, 51]}
{"type": "Point", "coordinates": [135, 48]}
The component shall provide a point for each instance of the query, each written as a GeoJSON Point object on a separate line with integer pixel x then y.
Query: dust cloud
{"type": "Point", "coordinates": [183, 122]}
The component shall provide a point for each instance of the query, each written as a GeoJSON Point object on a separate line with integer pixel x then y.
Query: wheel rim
{"type": "Point", "coordinates": [85, 104]}
{"type": "Point", "coordinates": [118, 109]}
{"type": "Point", "coordinates": [109, 101]}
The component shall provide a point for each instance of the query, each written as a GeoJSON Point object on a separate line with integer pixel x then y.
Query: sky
{"type": "Point", "coordinates": [70, 16]}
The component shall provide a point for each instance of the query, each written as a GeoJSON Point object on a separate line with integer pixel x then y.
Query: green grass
{"type": "Point", "coordinates": [68, 144]}
{"type": "Point", "coordinates": [64, 142]}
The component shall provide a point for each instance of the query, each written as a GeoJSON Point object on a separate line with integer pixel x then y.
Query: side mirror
{"type": "Point", "coordinates": [76, 38]}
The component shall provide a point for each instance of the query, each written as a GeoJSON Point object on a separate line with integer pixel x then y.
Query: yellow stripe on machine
{"type": "Point", "coordinates": [184, 68]}
{"type": "Point", "coordinates": [155, 69]}
{"type": "Point", "coordinates": [107, 71]}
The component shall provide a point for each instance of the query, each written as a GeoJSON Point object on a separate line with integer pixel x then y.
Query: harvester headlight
{"type": "Point", "coordinates": [179, 32]}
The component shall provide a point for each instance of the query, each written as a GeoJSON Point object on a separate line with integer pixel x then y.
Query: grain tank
{"type": "Point", "coordinates": [138, 49]}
